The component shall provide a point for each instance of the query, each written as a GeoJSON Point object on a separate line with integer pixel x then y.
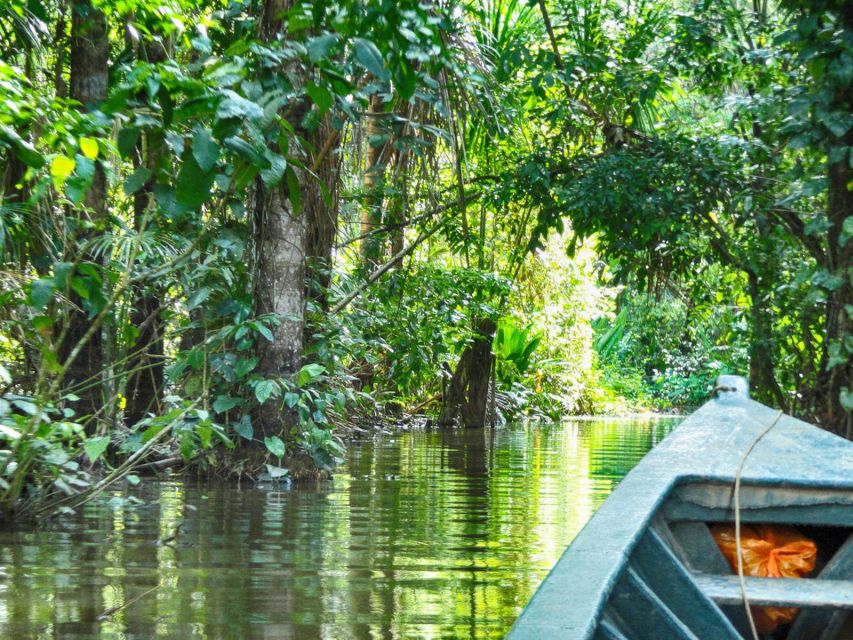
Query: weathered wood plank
{"type": "Point", "coordinates": [662, 571]}
{"type": "Point", "coordinates": [666, 576]}
{"type": "Point", "coordinates": [779, 592]}
{"type": "Point", "coordinates": [697, 547]}
{"type": "Point", "coordinates": [643, 610]}
{"type": "Point", "coordinates": [703, 555]}
{"type": "Point", "coordinates": [819, 515]}
{"type": "Point", "coordinates": [608, 631]}
{"type": "Point", "coordinates": [812, 624]}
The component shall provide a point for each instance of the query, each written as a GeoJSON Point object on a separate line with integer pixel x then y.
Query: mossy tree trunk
{"type": "Point", "coordinates": [466, 398]}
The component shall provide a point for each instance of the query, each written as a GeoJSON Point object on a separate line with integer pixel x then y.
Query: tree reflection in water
{"type": "Point", "coordinates": [423, 534]}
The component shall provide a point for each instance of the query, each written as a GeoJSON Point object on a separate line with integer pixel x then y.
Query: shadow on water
{"type": "Point", "coordinates": [424, 534]}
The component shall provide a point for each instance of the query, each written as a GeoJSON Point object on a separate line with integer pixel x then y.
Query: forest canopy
{"type": "Point", "coordinates": [231, 230]}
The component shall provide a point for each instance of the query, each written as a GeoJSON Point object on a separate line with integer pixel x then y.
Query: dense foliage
{"type": "Point", "coordinates": [228, 228]}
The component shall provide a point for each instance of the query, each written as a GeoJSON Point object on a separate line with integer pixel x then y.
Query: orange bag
{"type": "Point", "coordinates": [769, 551]}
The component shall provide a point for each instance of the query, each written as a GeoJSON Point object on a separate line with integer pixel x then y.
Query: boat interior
{"type": "Point", "coordinates": [677, 583]}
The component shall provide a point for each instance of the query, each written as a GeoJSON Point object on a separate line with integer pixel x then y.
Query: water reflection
{"type": "Point", "coordinates": [441, 534]}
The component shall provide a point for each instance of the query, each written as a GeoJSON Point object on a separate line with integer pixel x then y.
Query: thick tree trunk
{"type": "Point", "coordinates": [280, 277]}
{"type": "Point", "coordinates": [467, 396]}
{"type": "Point", "coordinates": [89, 67]}
{"type": "Point", "coordinates": [280, 260]}
{"type": "Point", "coordinates": [144, 387]}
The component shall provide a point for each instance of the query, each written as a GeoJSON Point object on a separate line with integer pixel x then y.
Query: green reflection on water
{"type": "Point", "coordinates": [425, 534]}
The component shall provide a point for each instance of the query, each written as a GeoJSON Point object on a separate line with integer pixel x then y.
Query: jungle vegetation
{"type": "Point", "coordinates": [231, 229]}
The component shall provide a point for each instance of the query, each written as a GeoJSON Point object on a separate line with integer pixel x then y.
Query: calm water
{"type": "Point", "coordinates": [421, 535]}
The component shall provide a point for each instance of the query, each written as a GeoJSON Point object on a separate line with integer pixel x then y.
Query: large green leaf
{"type": "Point", "coordinates": [205, 149]}
{"type": "Point", "coordinates": [244, 428]}
{"type": "Point", "coordinates": [369, 57]}
{"type": "Point", "coordinates": [319, 47]}
{"type": "Point", "coordinates": [266, 389]}
{"type": "Point", "coordinates": [194, 183]}
{"type": "Point", "coordinates": [41, 292]}
{"type": "Point", "coordinates": [321, 96]}
{"type": "Point", "coordinates": [275, 446]}
{"type": "Point", "coordinates": [137, 180]}
{"type": "Point", "coordinates": [95, 447]}
{"type": "Point", "coordinates": [309, 373]}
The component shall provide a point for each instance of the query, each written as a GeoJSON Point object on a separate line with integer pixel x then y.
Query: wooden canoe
{"type": "Point", "coordinates": [646, 567]}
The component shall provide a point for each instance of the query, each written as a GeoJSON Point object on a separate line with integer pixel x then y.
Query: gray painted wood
{"type": "Point", "coordinates": [608, 631]}
{"type": "Point", "coordinates": [779, 592]}
{"type": "Point", "coordinates": [706, 448]}
{"type": "Point", "coordinates": [666, 576]}
{"type": "Point", "coordinates": [825, 515]}
{"type": "Point", "coordinates": [812, 624]}
{"type": "Point", "coordinates": [647, 616]}
{"type": "Point", "coordinates": [697, 547]}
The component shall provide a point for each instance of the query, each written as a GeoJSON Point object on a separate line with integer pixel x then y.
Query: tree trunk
{"type": "Point", "coordinates": [374, 187]}
{"type": "Point", "coordinates": [398, 206]}
{"type": "Point", "coordinates": [467, 396]}
{"type": "Point", "coordinates": [144, 387]}
{"type": "Point", "coordinates": [89, 67]}
{"type": "Point", "coordinates": [322, 215]}
{"type": "Point", "coordinates": [838, 372]}
{"type": "Point", "coordinates": [762, 371]}
{"type": "Point", "coordinates": [279, 235]}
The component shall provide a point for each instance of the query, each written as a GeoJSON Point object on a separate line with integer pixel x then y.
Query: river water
{"type": "Point", "coordinates": [422, 534]}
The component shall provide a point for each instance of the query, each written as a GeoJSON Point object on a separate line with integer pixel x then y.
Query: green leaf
{"type": "Point", "coordinates": [266, 333]}
{"type": "Point", "coordinates": [266, 389]}
{"type": "Point", "coordinates": [204, 430]}
{"type": "Point", "coordinates": [294, 191]}
{"type": "Point", "coordinates": [838, 123]}
{"type": "Point", "coordinates": [321, 96]}
{"type": "Point", "coordinates": [41, 292]}
{"type": "Point", "coordinates": [847, 399]}
{"type": "Point", "coordinates": [137, 180]}
{"type": "Point", "coordinates": [95, 447]}
{"type": "Point", "coordinates": [276, 472]}
{"type": "Point", "coordinates": [193, 186]}
{"type": "Point", "coordinates": [290, 399]}
{"type": "Point", "coordinates": [127, 139]}
{"type": "Point", "coordinates": [846, 231]}
{"type": "Point", "coordinates": [369, 57]}
{"type": "Point", "coordinates": [319, 47]}
{"type": "Point", "coordinates": [225, 403]}
{"type": "Point", "coordinates": [205, 149]}
{"type": "Point", "coordinates": [197, 298]}
{"type": "Point", "coordinates": [308, 373]}
{"type": "Point", "coordinates": [43, 324]}
{"type": "Point", "coordinates": [273, 175]}
{"type": "Point", "coordinates": [187, 446]}
{"type": "Point", "coordinates": [246, 151]}
{"type": "Point", "coordinates": [244, 366]}
{"type": "Point", "coordinates": [244, 428]}
{"type": "Point", "coordinates": [132, 479]}
{"type": "Point", "coordinates": [236, 106]}
{"type": "Point", "coordinates": [275, 446]}
{"type": "Point", "coordinates": [23, 149]}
